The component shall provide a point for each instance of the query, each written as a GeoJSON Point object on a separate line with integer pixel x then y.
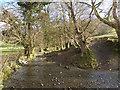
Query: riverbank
{"type": "Point", "coordinates": [103, 50]}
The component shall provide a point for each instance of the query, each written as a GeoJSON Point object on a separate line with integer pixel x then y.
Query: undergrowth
{"type": "Point", "coordinates": [8, 68]}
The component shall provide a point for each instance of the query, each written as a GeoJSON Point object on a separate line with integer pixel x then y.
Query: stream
{"type": "Point", "coordinates": [42, 74]}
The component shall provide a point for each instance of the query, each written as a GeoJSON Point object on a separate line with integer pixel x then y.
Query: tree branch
{"type": "Point", "coordinates": [114, 11]}
{"type": "Point", "coordinates": [111, 24]}
{"type": "Point", "coordinates": [108, 14]}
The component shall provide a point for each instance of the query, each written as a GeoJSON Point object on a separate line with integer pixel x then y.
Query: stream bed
{"type": "Point", "coordinates": [42, 74]}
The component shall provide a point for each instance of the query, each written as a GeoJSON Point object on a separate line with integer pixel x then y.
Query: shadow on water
{"type": "Point", "coordinates": [43, 74]}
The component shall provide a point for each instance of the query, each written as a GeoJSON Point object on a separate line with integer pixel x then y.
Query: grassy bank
{"type": "Point", "coordinates": [9, 55]}
{"type": "Point", "coordinates": [6, 47]}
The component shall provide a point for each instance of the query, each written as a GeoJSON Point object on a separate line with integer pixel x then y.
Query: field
{"type": "Point", "coordinates": [8, 48]}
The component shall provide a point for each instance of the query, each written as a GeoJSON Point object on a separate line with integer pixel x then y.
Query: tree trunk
{"type": "Point", "coordinates": [118, 34]}
{"type": "Point", "coordinates": [28, 54]}
{"type": "Point", "coordinates": [41, 50]}
{"type": "Point", "coordinates": [83, 48]}
{"type": "Point", "coordinates": [66, 45]}
{"type": "Point", "coordinates": [28, 51]}
{"type": "Point", "coordinates": [25, 51]}
{"type": "Point", "coordinates": [57, 48]}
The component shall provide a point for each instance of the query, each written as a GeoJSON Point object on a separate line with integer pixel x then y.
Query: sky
{"type": "Point", "coordinates": [104, 6]}
{"type": "Point", "coordinates": [2, 2]}
{"type": "Point", "coordinates": [106, 3]}
{"type": "Point", "coordinates": [4, 26]}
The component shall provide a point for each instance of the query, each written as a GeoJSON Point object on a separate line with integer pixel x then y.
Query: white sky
{"type": "Point", "coordinates": [106, 3]}
{"type": "Point", "coordinates": [105, 6]}
{"type": "Point", "coordinates": [3, 26]}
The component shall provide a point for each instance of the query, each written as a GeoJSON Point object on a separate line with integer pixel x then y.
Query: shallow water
{"type": "Point", "coordinates": [42, 74]}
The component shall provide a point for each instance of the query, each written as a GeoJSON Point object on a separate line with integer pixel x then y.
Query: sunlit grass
{"type": "Point", "coordinates": [110, 34]}
{"type": "Point", "coordinates": [6, 47]}
{"type": "Point", "coordinates": [114, 35]}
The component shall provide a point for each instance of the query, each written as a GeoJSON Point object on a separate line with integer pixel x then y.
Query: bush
{"type": "Point", "coordinates": [7, 70]}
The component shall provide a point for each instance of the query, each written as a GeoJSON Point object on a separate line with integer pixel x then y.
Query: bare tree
{"type": "Point", "coordinates": [80, 29]}
{"type": "Point", "coordinates": [112, 23]}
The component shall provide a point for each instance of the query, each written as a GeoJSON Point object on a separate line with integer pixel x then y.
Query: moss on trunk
{"type": "Point", "coordinates": [86, 61]}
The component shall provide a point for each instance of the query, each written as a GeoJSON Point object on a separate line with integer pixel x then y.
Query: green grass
{"type": "Point", "coordinates": [111, 31]}
{"type": "Point", "coordinates": [110, 34]}
{"type": "Point", "coordinates": [114, 35]}
{"type": "Point", "coordinates": [6, 47]}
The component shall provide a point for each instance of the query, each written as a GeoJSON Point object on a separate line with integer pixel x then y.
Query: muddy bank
{"type": "Point", "coordinates": [106, 56]}
{"type": "Point", "coordinates": [102, 49]}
